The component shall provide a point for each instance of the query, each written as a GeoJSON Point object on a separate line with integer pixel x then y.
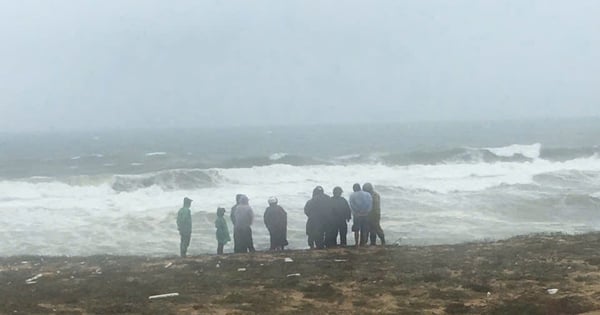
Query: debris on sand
{"type": "Point", "coordinates": [33, 279]}
{"type": "Point", "coordinates": [288, 259]}
{"type": "Point", "coordinates": [160, 296]}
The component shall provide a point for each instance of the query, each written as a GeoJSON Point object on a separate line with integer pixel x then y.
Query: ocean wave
{"type": "Point", "coordinates": [530, 151]}
{"type": "Point", "coordinates": [452, 156]}
{"type": "Point", "coordinates": [156, 153]}
{"type": "Point", "coordinates": [275, 158]}
{"type": "Point", "coordinates": [565, 154]}
{"type": "Point", "coordinates": [167, 180]}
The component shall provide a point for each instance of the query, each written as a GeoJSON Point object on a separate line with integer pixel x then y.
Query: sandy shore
{"type": "Point", "coordinates": [505, 277]}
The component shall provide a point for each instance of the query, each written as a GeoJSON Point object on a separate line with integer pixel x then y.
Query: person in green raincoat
{"type": "Point", "coordinates": [184, 225]}
{"type": "Point", "coordinates": [222, 230]}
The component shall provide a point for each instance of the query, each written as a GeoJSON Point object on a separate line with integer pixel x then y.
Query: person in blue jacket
{"type": "Point", "coordinates": [361, 204]}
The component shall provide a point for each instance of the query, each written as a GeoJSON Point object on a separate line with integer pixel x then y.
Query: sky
{"type": "Point", "coordinates": [114, 64]}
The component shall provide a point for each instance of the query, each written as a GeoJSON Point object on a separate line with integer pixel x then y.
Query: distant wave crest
{"type": "Point", "coordinates": [167, 180]}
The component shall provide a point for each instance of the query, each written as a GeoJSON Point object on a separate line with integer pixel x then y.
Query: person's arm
{"type": "Point", "coordinates": [267, 219]}
{"type": "Point", "coordinates": [307, 208]}
{"type": "Point", "coordinates": [232, 215]}
{"type": "Point", "coordinates": [179, 220]}
{"type": "Point", "coordinates": [352, 202]}
{"type": "Point", "coordinates": [347, 211]}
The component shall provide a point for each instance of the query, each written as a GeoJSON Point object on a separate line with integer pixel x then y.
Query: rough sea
{"type": "Point", "coordinates": [117, 192]}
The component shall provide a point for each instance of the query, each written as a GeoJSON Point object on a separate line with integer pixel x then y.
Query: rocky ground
{"type": "Point", "coordinates": [505, 277]}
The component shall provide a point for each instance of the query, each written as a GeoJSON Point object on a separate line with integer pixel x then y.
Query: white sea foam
{"type": "Point", "coordinates": [421, 204]}
{"type": "Point", "coordinates": [531, 151]}
{"type": "Point", "coordinates": [277, 156]}
{"type": "Point", "coordinates": [156, 153]}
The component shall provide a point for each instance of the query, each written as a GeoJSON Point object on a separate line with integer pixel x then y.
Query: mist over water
{"type": "Point", "coordinates": [118, 192]}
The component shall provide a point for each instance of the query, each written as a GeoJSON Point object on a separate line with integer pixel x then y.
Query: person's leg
{"type": "Point", "coordinates": [220, 248]}
{"type": "Point", "coordinates": [250, 241]}
{"type": "Point", "coordinates": [331, 236]}
{"type": "Point", "coordinates": [379, 232]}
{"type": "Point", "coordinates": [355, 229]}
{"type": "Point", "coordinates": [237, 242]}
{"type": "Point", "coordinates": [272, 240]}
{"type": "Point", "coordinates": [372, 232]}
{"type": "Point", "coordinates": [343, 230]}
{"type": "Point", "coordinates": [364, 230]}
{"type": "Point", "coordinates": [320, 237]}
{"type": "Point", "coordinates": [185, 242]}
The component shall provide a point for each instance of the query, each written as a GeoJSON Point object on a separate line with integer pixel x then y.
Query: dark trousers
{"type": "Point", "coordinates": [375, 230]}
{"type": "Point", "coordinates": [316, 239]}
{"type": "Point", "coordinates": [342, 230]}
{"type": "Point", "coordinates": [242, 240]}
{"type": "Point", "coordinates": [220, 248]}
{"type": "Point", "coordinates": [185, 243]}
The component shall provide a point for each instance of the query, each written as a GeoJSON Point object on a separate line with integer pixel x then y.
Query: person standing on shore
{"type": "Point", "coordinates": [237, 202]}
{"type": "Point", "coordinates": [242, 234]}
{"type": "Point", "coordinates": [374, 217]}
{"type": "Point", "coordinates": [276, 221]}
{"type": "Point", "coordinates": [222, 230]}
{"type": "Point", "coordinates": [341, 215]}
{"type": "Point", "coordinates": [318, 210]}
{"type": "Point", "coordinates": [184, 225]}
{"type": "Point", "coordinates": [361, 203]}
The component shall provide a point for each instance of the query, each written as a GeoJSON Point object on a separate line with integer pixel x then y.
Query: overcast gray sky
{"type": "Point", "coordinates": [68, 64]}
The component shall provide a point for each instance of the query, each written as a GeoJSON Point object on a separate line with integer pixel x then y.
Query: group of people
{"type": "Point", "coordinates": [327, 217]}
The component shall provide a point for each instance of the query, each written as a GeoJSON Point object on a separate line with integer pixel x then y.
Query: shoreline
{"type": "Point", "coordinates": [509, 276]}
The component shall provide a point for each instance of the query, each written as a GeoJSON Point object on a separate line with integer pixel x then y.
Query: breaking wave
{"type": "Point", "coordinates": [167, 180]}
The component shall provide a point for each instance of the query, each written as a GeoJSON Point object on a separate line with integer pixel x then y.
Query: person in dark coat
{"type": "Point", "coordinates": [341, 215]}
{"type": "Point", "coordinates": [242, 235]}
{"type": "Point", "coordinates": [374, 217]}
{"type": "Point", "coordinates": [318, 210]}
{"type": "Point", "coordinates": [276, 221]}
{"type": "Point", "coordinates": [184, 225]}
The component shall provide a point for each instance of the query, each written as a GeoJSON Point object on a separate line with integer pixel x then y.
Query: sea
{"type": "Point", "coordinates": [118, 192]}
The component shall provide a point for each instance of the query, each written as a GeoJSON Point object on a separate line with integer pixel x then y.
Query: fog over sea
{"type": "Point", "coordinates": [84, 193]}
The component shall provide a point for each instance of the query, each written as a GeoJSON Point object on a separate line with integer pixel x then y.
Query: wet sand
{"type": "Point", "coordinates": [504, 277]}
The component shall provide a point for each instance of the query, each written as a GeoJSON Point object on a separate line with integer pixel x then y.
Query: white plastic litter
{"type": "Point", "coordinates": [218, 266]}
{"type": "Point", "coordinates": [241, 269]}
{"type": "Point", "coordinates": [293, 275]}
{"type": "Point", "coordinates": [489, 294]}
{"type": "Point", "coordinates": [288, 259]}
{"type": "Point", "coordinates": [552, 291]}
{"type": "Point", "coordinates": [340, 260]}
{"type": "Point", "coordinates": [169, 265]}
{"type": "Point", "coordinates": [160, 296]}
{"type": "Point", "coordinates": [33, 279]}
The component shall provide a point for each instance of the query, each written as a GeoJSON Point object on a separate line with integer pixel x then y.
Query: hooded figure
{"type": "Point", "coordinates": [237, 202]}
{"type": "Point", "coordinates": [222, 230]}
{"type": "Point", "coordinates": [184, 225]}
{"type": "Point", "coordinates": [318, 210]}
{"type": "Point", "coordinates": [374, 217]}
{"type": "Point", "coordinates": [242, 232]}
{"type": "Point", "coordinates": [361, 204]}
{"type": "Point", "coordinates": [276, 221]}
{"type": "Point", "coordinates": [341, 215]}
